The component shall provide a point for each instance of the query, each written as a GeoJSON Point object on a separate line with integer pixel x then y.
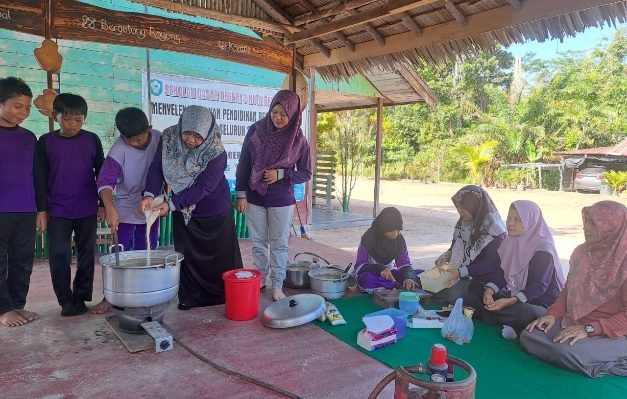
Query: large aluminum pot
{"type": "Point", "coordinates": [131, 282]}
{"type": "Point", "coordinates": [296, 273]}
{"type": "Point", "coordinates": [328, 282]}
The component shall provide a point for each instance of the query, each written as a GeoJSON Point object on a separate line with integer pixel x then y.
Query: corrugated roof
{"type": "Point", "coordinates": [618, 150]}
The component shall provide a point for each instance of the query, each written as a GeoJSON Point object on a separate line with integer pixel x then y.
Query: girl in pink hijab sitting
{"type": "Point", "coordinates": [585, 330]}
{"type": "Point", "coordinates": [532, 272]}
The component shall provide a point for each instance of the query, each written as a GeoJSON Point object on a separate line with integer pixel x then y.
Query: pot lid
{"type": "Point", "coordinates": [294, 311]}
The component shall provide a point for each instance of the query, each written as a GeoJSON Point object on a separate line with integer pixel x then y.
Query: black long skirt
{"type": "Point", "coordinates": [210, 247]}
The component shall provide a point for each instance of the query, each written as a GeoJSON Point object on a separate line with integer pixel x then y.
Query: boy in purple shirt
{"type": "Point", "coordinates": [68, 161]}
{"type": "Point", "coordinates": [124, 170]}
{"type": "Point", "coordinates": [17, 202]}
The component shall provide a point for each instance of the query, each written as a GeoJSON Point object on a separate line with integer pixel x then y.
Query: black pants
{"type": "Point", "coordinates": [17, 252]}
{"type": "Point", "coordinates": [60, 241]}
{"type": "Point", "coordinates": [516, 316]}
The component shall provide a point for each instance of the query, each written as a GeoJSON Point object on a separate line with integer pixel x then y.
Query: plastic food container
{"type": "Point", "coordinates": [434, 280]}
{"type": "Point", "coordinates": [408, 302]}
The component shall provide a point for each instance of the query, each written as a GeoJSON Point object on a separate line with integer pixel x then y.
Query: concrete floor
{"type": "Point", "coordinates": [80, 357]}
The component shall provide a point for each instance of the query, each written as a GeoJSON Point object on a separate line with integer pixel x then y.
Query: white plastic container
{"type": "Point", "coordinates": [434, 280]}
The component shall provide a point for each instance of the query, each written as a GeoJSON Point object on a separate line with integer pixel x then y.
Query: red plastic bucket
{"type": "Point", "coordinates": [241, 294]}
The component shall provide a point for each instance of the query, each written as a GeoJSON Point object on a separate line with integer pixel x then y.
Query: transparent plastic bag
{"type": "Point", "coordinates": [458, 328]}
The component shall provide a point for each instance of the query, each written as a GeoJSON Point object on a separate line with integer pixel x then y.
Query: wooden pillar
{"type": "Point", "coordinates": [47, 29]}
{"type": "Point", "coordinates": [377, 161]}
{"type": "Point", "coordinates": [313, 124]}
{"type": "Point", "coordinates": [293, 71]}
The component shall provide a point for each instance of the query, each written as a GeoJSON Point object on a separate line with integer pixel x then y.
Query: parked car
{"type": "Point", "coordinates": [590, 179]}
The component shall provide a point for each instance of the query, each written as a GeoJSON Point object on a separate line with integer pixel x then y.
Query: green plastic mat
{"type": "Point", "coordinates": [503, 368]}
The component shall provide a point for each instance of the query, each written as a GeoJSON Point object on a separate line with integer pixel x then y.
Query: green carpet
{"type": "Point", "coordinates": [503, 368]}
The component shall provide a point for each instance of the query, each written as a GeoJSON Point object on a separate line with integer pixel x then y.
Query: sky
{"type": "Point", "coordinates": [550, 49]}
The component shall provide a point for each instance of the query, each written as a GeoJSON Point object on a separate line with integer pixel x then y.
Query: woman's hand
{"type": "Point", "coordinates": [163, 209]}
{"type": "Point", "coordinates": [271, 176]}
{"type": "Point", "coordinates": [574, 333]}
{"type": "Point", "coordinates": [145, 205]}
{"type": "Point", "coordinates": [445, 257]}
{"type": "Point", "coordinates": [543, 323]}
{"type": "Point", "coordinates": [241, 204]}
{"type": "Point", "coordinates": [113, 219]}
{"type": "Point", "coordinates": [387, 274]}
{"type": "Point", "coordinates": [409, 284]}
{"type": "Point", "coordinates": [488, 296]}
{"type": "Point", "coordinates": [452, 277]}
{"type": "Point", "coordinates": [500, 304]}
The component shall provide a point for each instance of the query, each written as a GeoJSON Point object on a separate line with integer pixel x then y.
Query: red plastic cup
{"type": "Point", "coordinates": [438, 356]}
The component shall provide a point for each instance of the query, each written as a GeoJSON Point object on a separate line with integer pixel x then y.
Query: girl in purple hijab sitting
{"type": "Point", "coordinates": [274, 157]}
{"type": "Point", "coordinates": [382, 257]}
{"type": "Point", "coordinates": [532, 271]}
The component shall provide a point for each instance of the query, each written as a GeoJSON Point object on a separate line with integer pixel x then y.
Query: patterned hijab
{"type": "Point", "coordinates": [516, 252]}
{"type": "Point", "coordinates": [183, 165]}
{"type": "Point", "coordinates": [598, 270]}
{"type": "Point", "coordinates": [274, 148]}
{"type": "Point", "coordinates": [379, 247]}
{"type": "Point", "coordinates": [469, 238]}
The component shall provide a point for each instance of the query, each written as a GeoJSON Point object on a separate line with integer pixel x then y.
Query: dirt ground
{"type": "Point", "coordinates": [429, 216]}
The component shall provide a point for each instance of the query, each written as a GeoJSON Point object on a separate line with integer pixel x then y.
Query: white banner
{"type": "Point", "coordinates": [234, 106]}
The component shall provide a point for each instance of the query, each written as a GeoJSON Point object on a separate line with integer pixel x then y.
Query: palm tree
{"type": "Point", "coordinates": [477, 158]}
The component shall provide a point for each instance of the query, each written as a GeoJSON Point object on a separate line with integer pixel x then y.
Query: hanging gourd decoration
{"type": "Point", "coordinates": [48, 56]}
{"type": "Point", "coordinates": [44, 101]}
{"type": "Point", "coordinates": [301, 88]}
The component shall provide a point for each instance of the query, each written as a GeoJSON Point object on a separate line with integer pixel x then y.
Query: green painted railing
{"type": "Point", "coordinates": [166, 238]}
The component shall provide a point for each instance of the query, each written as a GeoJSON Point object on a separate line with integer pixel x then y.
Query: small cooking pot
{"type": "Point", "coordinates": [329, 282]}
{"type": "Point", "coordinates": [297, 271]}
{"type": "Point", "coordinates": [296, 275]}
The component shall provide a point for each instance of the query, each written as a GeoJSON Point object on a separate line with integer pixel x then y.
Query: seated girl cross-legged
{"type": "Point", "coordinates": [382, 257]}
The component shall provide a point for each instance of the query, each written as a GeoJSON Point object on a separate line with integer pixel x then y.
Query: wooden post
{"type": "Point", "coordinates": [48, 20]}
{"type": "Point", "coordinates": [313, 150]}
{"type": "Point", "coordinates": [377, 162]}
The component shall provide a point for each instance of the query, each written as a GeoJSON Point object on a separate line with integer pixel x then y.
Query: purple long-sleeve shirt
{"type": "Point", "coordinates": [400, 262]}
{"type": "Point", "coordinates": [65, 172]}
{"type": "Point", "coordinates": [210, 192]}
{"type": "Point", "coordinates": [541, 287]}
{"type": "Point", "coordinates": [486, 266]}
{"type": "Point", "coordinates": [17, 181]}
{"type": "Point", "coordinates": [280, 193]}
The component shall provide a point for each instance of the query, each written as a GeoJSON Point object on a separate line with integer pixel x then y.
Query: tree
{"type": "Point", "coordinates": [477, 158]}
{"type": "Point", "coordinates": [350, 136]}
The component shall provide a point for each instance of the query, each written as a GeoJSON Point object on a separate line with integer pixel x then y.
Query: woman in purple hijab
{"type": "Point", "coordinates": [532, 271]}
{"type": "Point", "coordinates": [274, 157]}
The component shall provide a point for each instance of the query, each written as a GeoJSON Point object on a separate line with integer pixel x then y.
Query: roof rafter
{"type": "Point", "coordinates": [455, 12]}
{"type": "Point", "coordinates": [315, 14]}
{"type": "Point", "coordinates": [410, 23]}
{"type": "Point", "coordinates": [252, 23]}
{"type": "Point", "coordinates": [487, 21]}
{"type": "Point", "coordinates": [269, 8]}
{"type": "Point", "coordinates": [339, 34]}
{"type": "Point", "coordinates": [392, 8]}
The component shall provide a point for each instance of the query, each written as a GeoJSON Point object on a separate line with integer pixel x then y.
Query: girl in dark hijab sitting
{"type": "Point", "coordinates": [382, 257]}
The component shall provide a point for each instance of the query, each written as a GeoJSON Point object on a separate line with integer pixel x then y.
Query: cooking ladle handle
{"type": "Point", "coordinates": [116, 248]}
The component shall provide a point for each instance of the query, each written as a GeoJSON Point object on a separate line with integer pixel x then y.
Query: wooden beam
{"type": "Point", "coordinates": [418, 84]}
{"type": "Point", "coordinates": [487, 21]}
{"type": "Point", "coordinates": [410, 23]}
{"type": "Point", "coordinates": [342, 37]}
{"type": "Point", "coordinates": [516, 4]}
{"type": "Point", "coordinates": [329, 12]}
{"type": "Point", "coordinates": [321, 48]}
{"type": "Point", "coordinates": [313, 147]}
{"type": "Point", "coordinates": [252, 23]}
{"type": "Point", "coordinates": [375, 35]}
{"type": "Point", "coordinates": [270, 9]}
{"type": "Point", "coordinates": [377, 157]}
{"type": "Point", "coordinates": [455, 12]}
{"type": "Point", "coordinates": [392, 8]}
